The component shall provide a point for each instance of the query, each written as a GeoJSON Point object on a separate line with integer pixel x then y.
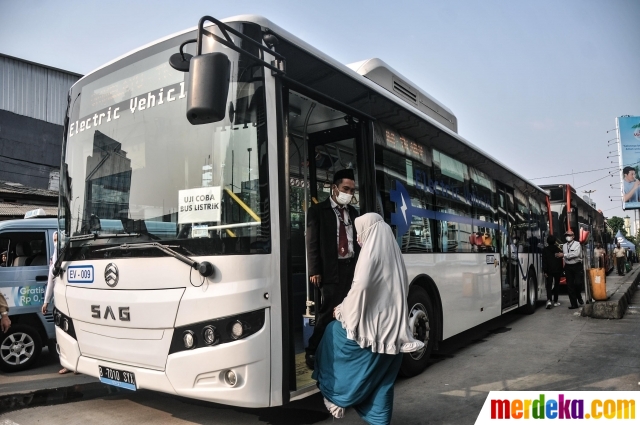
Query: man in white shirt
{"type": "Point", "coordinates": [572, 254]}
{"type": "Point", "coordinates": [621, 258]}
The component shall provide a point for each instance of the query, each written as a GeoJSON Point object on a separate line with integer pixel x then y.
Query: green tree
{"type": "Point", "coordinates": [617, 223]}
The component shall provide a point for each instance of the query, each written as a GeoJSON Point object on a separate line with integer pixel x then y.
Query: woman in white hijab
{"type": "Point", "coordinates": [360, 353]}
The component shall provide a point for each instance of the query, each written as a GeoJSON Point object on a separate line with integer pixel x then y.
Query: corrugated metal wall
{"type": "Point", "coordinates": [34, 91]}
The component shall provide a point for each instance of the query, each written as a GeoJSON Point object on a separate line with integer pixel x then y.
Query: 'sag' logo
{"type": "Point", "coordinates": [111, 275]}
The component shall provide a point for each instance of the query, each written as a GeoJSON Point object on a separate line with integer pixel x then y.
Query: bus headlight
{"type": "Point", "coordinates": [209, 335]}
{"type": "Point", "coordinates": [236, 329]}
{"type": "Point", "coordinates": [189, 340]}
{"type": "Point", "coordinates": [216, 332]}
{"type": "Point", "coordinates": [230, 378]}
{"type": "Point", "coordinates": [65, 325]}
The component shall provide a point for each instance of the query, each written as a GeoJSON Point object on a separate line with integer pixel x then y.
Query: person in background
{"type": "Point", "coordinates": [572, 254]}
{"type": "Point", "coordinates": [360, 353]}
{"type": "Point", "coordinates": [552, 268]}
{"type": "Point", "coordinates": [599, 255]}
{"type": "Point", "coordinates": [5, 322]}
{"type": "Point", "coordinates": [630, 258]}
{"type": "Point", "coordinates": [3, 259]}
{"type": "Point", "coordinates": [331, 252]}
{"type": "Point", "coordinates": [620, 257]}
{"type": "Point", "coordinates": [51, 283]}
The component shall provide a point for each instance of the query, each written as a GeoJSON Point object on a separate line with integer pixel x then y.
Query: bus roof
{"type": "Point", "coordinates": [464, 144]}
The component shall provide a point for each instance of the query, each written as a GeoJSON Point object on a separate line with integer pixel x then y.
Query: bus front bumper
{"type": "Point", "coordinates": [201, 374]}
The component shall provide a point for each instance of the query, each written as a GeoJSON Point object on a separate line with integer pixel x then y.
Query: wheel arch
{"type": "Point", "coordinates": [425, 282]}
{"type": "Point", "coordinates": [30, 319]}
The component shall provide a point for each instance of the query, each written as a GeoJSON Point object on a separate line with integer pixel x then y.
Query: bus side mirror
{"type": "Point", "coordinates": [208, 87]}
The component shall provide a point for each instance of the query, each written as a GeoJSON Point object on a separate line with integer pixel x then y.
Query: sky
{"type": "Point", "coordinates": [537, 84]}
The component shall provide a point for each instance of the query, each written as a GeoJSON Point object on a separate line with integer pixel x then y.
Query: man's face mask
{"type": "Point", "coordinates": [343, 198]}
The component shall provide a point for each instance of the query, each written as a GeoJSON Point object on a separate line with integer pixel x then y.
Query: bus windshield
{"type": "Point", "coordinates": [133, 166]}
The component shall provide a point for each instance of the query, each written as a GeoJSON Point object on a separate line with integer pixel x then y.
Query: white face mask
{"type": "Point", "coordinates": [569, 238]}
{"type": "Point", "coordinates": [343, 198]}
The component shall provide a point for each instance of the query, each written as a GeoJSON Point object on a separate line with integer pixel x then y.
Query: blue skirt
{"type": "Point", "coordinates": [350, 376]}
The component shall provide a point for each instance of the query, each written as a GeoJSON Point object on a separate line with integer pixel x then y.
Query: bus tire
{"type": "Point", "coordinates": [423, 324]}
{"type": "Point", "coordinates": [532, 296]}
{"type": "Point", "coordinates": [20, 347]}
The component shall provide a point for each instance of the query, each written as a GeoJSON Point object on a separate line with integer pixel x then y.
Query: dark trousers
{"type": "Point", "coordinates": [332, 295]}
{"type": "Point", "coordinates": [552, 281]}
{"type": "Point", "coordinates": [573, 273]}
{"type": "Point", "coordinates": [620, 264]}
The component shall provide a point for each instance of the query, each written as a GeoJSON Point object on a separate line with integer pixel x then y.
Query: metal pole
{"type": "Point", "coordinates": [305, 177]}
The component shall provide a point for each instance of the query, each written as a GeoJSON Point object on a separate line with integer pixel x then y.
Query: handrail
{"type": "Point", "coordinates": [243, 205]}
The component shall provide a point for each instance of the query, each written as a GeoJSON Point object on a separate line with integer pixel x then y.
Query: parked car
{"type": "Point", "coordinates": [23, 280]}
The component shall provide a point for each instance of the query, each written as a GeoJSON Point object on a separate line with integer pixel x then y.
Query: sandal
{"type": "Point", "coordinates": [336, 411]}
{"type": "Point", "coordinates": [63, 371]}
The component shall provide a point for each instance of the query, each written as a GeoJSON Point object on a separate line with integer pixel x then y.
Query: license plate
{"type": "Point", "coordinates": [117, 378]}
{"type": "Point", "coordinates": [80, 274]}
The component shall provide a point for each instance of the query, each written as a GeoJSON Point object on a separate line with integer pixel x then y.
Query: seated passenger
{"type": "Point", "coordinates": [3, 259]}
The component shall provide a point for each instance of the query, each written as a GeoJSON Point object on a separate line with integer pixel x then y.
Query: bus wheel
{"type": "Point", "coordinates": [422, 323]}
{"type": "Point", "coordinates": [19, 348]}
{"type": "Point", "coordinates": [532, 296]}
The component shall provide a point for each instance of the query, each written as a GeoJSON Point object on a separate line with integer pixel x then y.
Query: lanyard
{"type": "Point", "coordinates": [341, 217]}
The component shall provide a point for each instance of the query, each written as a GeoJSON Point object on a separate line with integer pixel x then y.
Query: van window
{"type": "Point", "coordinates": [25, 249]}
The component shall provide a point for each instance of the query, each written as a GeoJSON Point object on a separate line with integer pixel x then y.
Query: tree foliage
{"type": "Point", "coordinates": [617, 223]}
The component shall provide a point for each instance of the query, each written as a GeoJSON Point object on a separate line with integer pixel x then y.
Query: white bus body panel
{"type": "Point", "coordinates": [147, 309]}
{"type": "Point", "coordinates": [146, 348]}
{"type": "Point", "coordinates": [160, 298]}
{"type": "Point", "coordinates": [200, 373]}
{"type": "Point", "coordinates": [469, 288]}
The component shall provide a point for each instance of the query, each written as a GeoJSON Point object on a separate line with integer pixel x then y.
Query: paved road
{"type": "Point", "coordinates": [550, 350]}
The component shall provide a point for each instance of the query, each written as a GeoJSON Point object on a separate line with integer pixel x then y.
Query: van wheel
{"type": "Point", "coordinates": [422, 323]}
{"type": "Point", "coordinates": [532, 296]}
{"type": "Point", "coordinates": [20, 348]}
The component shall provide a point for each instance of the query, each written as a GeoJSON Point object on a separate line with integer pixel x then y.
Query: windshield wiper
{"type": "Point", "coordinates": [91, 236]}
{"type": "Point", "coordinates": [94, 236]}
{"type": "Point", "coordinates": [205, 268]}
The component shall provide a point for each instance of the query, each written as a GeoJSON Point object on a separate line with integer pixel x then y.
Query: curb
{"type": "Point", "coordinates": [616, 306]}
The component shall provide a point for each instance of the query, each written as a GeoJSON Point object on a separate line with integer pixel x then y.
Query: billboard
{"type": "Point", "coordinates": [629, 148]}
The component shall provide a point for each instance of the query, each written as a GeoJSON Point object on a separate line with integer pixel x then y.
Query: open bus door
{"type": "Point", "coordinates": [509, 265]}
{"type": "Point", "coordinates": [321, 141]}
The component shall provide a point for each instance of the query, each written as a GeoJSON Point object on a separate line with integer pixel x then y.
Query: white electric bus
{"type": "Point", "coordinates": [187, 168]}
